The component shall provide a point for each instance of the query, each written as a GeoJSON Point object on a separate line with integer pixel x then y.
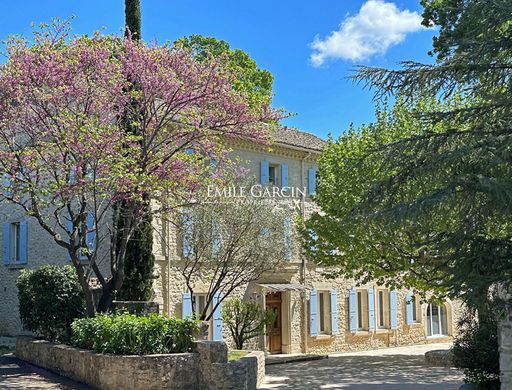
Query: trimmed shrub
{"type": "Point", "coordinates": [129, 334]}
{"type": "Point", "coordinates": [476, 351]}
{"type": "Point", "coordinates": [50, 299]}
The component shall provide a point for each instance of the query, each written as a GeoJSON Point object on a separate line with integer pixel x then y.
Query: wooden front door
{"type": "Point", "coordinates": [273, 302]}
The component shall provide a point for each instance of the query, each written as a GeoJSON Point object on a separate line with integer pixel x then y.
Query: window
{"type": "Point", "coordinates": [362, 310]}
{"type": "Point", "coordinates": [199, 304]}
{"type": "Point", "coordinates": [383, 309]}
{"type": "Point", "coordinates": [14, 247]}
{"type": "Point", "coordinates": [324, 312]}
{"type": "Point", "coordinates": [437, 320]}
{"type": "Point", "coordinates": [414, 305]}
{"type": "Point", "coordinates": [273, 175]}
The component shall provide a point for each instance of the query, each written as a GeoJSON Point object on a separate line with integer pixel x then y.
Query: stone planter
{"type": "Point", "coordinates": [204, 368]}
{"type": "Point", "coordinates": [439, 358]}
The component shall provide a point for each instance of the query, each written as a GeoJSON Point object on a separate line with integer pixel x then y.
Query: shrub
{"type": "Point", "coordinates": [50, 299]}
{"type": "Point", "coordinates": [476, 351]}
{"type": "Point", "coordinates": [129, 334]}
{"type": "Point", "coordinates": [245, 320]}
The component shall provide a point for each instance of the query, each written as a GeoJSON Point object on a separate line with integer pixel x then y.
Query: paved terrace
{"type": "Point", "coordinates": [399, 368]}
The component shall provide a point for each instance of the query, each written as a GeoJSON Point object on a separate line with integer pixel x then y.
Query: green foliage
{"type": "Point", "coordinates": [50, 299]}
{"type": "Point", "coordinates": [476, 350]}
{"type": "Point", "coordinates": [245, 320]}
{"type": "Point", "coordinates": [128, 334]}
{"type": "Point", "coordinates": [139, 262]}
{"type": "Point", "coordinates": [256, 82]}
{"type": "Point", "coordinates": [133, 18]}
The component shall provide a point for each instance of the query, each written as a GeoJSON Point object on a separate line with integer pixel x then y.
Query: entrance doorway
{"type": "Point", "coordinates": [437, 320]}
{"type": "Point", "coordinates": [274, 339]}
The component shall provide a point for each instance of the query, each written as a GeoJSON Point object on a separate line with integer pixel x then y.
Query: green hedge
{"type": "Point", "coordinates": [128, 334]}
{"type": "Point", "coordinates": [50, 299]}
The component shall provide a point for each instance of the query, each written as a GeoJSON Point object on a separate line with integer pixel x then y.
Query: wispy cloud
{"type": "Point", "coordinates": [378, 26]}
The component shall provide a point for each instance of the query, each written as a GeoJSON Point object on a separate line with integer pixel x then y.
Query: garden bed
{"type": "Point", "coordinates": [206, 367]}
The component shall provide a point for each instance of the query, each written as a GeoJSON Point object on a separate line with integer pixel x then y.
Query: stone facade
{"type": "Point", "coordinates": [295, 305]}
{"type": "Point", "coordinates": [205, 368]}
{"type": "Point", "coordinates": [296, 335]}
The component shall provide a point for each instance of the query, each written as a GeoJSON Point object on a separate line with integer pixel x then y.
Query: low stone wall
{"type": "Point", "coordinates": [439, 358]}
{"type": "Point", "coordinates": [204, 368]}
{"type": "Point", "coordinates": [505, 343]}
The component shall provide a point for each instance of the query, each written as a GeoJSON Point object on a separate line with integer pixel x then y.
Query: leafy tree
{"type": "Point", "coordinates": [68, 156]}
{"type": "Point", "coordinates": [50, 300]}
{"type": "Point", "coordinates": [249, 77]}
{"type": "Point", "coordinates": [245, 320]}
{"type": "Point", "coordinates": [229, 243]}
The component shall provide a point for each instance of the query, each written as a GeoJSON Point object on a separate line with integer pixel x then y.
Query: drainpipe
{"type": "Point", "coordinates": [302, 274]}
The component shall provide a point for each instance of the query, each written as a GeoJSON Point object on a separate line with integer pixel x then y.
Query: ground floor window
{"type": "Point", "coordinates": [362, 309]}
{"type": "Point", "coordinates": [383, 309]}
{"type": "Point", "coordinates": [437, 320]}
{"type": "Point", "coordinates": [324, 312]}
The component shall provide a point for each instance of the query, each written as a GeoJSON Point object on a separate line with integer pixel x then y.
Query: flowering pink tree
{"type": "Point", "coordinates": [68, 159]}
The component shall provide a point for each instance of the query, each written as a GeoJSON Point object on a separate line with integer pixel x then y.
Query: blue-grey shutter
{"type": "Point", "coordinates": [352, 307]}
{"type": "Point", "coordinates": [217, 318]}
{"type": "Point", "coordinates": [189, 151]}
{"type": "Point", "coordinates": [409, 309]}
{"type": "Point", "coordinates": [7, 243]}
{"type": "Point", "coordinates": [23, 242]}
{"type": "Point", "coordinates": [187, 233]}
{"type": "Point", "coordinates": [284, 175]}
{"type": "Point", "coordinates": [393, 308]}
{"type": "Point", "coordinates": [313, 310]}
{"type": "Point", "coordinates": [264, 172]}
{"type": "Point", "coordinates": [311, 181]}
{"type": "Point", "coordinates": [91, 232]}
{"type": "Point", "coordinates": [216, 239]}
{"type": "Point", "coordinates": [288, 238]}
{"type": "Point", "coordinates": [186, 308]}
{"type": "Point", "coordinates": [7, 184]}
{"type": "Point", "coordinates": [371, 310]}
{"type": "Point", "coordinates": [72, 176]}
{"type": "Point", "coordinates": [334, 312]}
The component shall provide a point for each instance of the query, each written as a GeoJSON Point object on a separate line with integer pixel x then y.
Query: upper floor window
{"type": "Point", "coordinates": [272, 174]}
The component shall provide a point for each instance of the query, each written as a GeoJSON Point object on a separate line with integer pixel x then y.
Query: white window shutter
{"type": "Point", "coordinates": [352, 306]}
{"type": "Point", "coordinates": [7, 244]}
{"type": "Point", "coordinates": [409, 309]}
{"type": "Point", "coordinates": [284, 175]}
{"type": "Point", "coordinates": [371, 310]}
{"type": "Point", "coordinates": [23, 242]}
{"type": "Point", "coordinates": [186, 308]}
{"type": "Point", "coordinates": [334, 312]}
{"type": "Point", "coordinates": [393, 309]}
{"type": "Point", "coordinates": [313, 310]}
{"type": "Point", "coordinates": [217, 318]}
{"type": "Point", "coordinates": [264, 178]}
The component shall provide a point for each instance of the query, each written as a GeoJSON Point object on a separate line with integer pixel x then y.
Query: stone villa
{"type": "Point", "coordinates": [314, 314]}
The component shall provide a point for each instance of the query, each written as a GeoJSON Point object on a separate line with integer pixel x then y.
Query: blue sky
{"type": "Point", "coordinates": [279, 35]}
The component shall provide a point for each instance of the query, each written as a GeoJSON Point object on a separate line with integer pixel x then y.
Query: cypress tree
{"type": "Point", "coordinates": [139, 260]}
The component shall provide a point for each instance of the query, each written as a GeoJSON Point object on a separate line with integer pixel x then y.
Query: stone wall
{"type": "Point", "coordinates": [204, 368]}
{"type": "Point", "coordinates": [505, 343]}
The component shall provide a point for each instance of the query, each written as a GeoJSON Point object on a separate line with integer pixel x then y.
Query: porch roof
{"type": "Point", "coordinates": [284, 286]}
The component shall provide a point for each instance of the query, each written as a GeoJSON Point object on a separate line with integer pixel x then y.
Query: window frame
{"type": "Point", "coordinates": [383, 309]}
{"type": "Point", "coordinates": [274, 180]}
{"type": "Point", "coordinates": [363, 320]}
{"type": "Point", "coordinates": [14, 244]}
{"type": "Point", "coordinates": [324, 312]}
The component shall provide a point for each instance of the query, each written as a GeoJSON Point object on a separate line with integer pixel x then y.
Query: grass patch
{"type": "Point", "coordinates": [5, 349]}
{"type": "Point", "coordinates": [235, 355]}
